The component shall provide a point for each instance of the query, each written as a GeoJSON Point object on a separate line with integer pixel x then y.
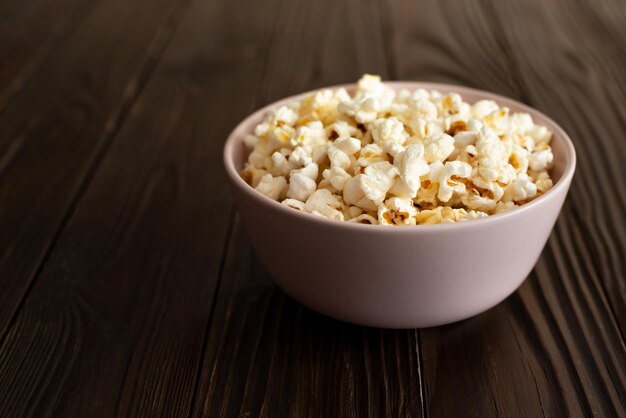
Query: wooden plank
{"type": "Point", "coordinates": [553, 348]}
{"type": "Point", "coordinates": [267, 355]}
{"type": "Point", "coordinates": [53, 134]}
{"type": "Point", "coordinates": [115, 323]}
{"type": "Point", "coordinates": [29, 32]}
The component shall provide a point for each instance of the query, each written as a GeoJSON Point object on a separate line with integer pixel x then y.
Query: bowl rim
{"type": "Point", "coordinates": [563, 182]}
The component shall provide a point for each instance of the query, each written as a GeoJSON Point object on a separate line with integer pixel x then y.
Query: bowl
{"type": "Point", "coordinates": [399, 277]}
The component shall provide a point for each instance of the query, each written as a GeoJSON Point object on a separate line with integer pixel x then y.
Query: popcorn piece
{"type": "Point", "coordinates": [337, 177]}
{"type": "Point", "coordinates": [541, 160]}
{"type": "Point", "coordinates": [272, 187]}
{"type": "Point", "coordinates": [389, 132]}
{"type": "Point", "coordinates": [397, 211]}
{"type": "Point", "coordinates": [363, 110]}
{"type": "Point", "coordinates": [412, 166]}
{"type": "Point", "coordinates": [521, 189]}
{"type": "Point", "coordinates": [324, 203]}
{"type": "Point", "coordinates": [378, 179]}
{"type": "Point", "coordinates": [294, 204]}
{"type": "Point", "coordinates": [353, 194]}
{"type": "Point", "coordinates": [438, 147]}
{"type": "Point", "coordinates": [365, 219]}
{"type": "Point", "coordinates": [472, 215]}
{"type": "Point", "coordinates": [303, 182]}
{"type": "Point", "coordinates": [440, 214]}
{"type": "Point", "coordinates": [281, 166]}
{"type": "Point", "coordinates": [349, 145]}
{"type": "Point", "coordinates": [449, 179]}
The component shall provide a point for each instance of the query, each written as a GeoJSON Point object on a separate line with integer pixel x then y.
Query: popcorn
{"type": "Point", "coordinates": [272, 187]}
{"type": "Point", "coordinates": [397, 211]}
{"type": "Point", "coordinates": [294, 204]}
{"type": "Point", "coordinates": [409, 158]}
{"type": "Point", "coordinates": [540, 160]}
{"type": "Point", "coordinates": [324, 203]}
{"type": "Point", "coordinates": [438, 147]}
{"type": "Point", "coordinates": [411, 166]}
{"type": "Point", "coordinates": [389, 134]}
{"type": "Point", "coordinates": [449, 179]}
{"type": "Point", "coordinates": [337, 177]}
{"type": "Point", "coordinates": [364, 219]}
{"type": "Point", "coordinates": [378, 179]}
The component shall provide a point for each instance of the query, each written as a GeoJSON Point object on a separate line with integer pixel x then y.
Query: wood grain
{"type": "Point", "coordinates": [53, 134]}
{"type": "Point", "coordinates": [531, 355]}
{"type": "Point", "coordinates": [115, 323]}
{"type": "Point", "coordinates": [30, 33]}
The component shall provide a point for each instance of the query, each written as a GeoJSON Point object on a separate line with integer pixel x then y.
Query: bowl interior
{"type": "Point", "coordinates": [236, 152]}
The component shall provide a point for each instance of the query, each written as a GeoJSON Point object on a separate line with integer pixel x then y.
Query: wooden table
{"type": "Point", "coordinates": [128, 286]}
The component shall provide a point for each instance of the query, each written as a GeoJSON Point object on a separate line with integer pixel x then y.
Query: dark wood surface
{"type": "Point", "coordinates": [129, 288]}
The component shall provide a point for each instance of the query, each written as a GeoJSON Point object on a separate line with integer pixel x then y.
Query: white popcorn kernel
{"type": "Point", "coordinates": [310, 136]}
{"type": "Point", "coordinates": [364, 219]}
{"type": "Point", "coordinates": [521, 122]}
{"type": "Point", "coordinates": [540, 160]}
{"type": "Point", "coordinates": [388, 132]}
{"type": "Point", "coordinates": [353, 194]}
{"type": "Point", "coordinates": [377, 180]}
{"type": "Point", "coordinates": [337, 177]}
{"type": "Point", "coordinates": [397, 211]}
{"type": "Point", "coordinates": [338, 158]}
{"type": "Point", "coordinates": [341, 129]}
{"type": "Point", "coordinates": [284, 115]}
{"type": "Point", "coordinates": [342, 95]}
{"type": "Point", "coordinates": [491, 154]}
{"type": "Point", "coordinates": [272, 187]}
{"type": "Point", "coordinates": [438, 147]}
{"type": "Point", "coordinates": [540, 134]}
{"type": "Point", "coordinates": [363, 110]}
{"type": "Point", "coordinates": [370, 154]}
{"type": "Point", "coordinates": [300, 186]}
{"type": "Point", "coordinates": [504, 207]}
{"type": "Point", "coordinates": [251, 141]}
{"type": "Point", "coordinates": [472, 215]}
{"type": "Point", "coordinates": [452, 104]}
{"type": "Point", "coordinates": [449, 179]}
{"type": "Point", "coordinates": [354, 211]}
{"type": "Point", "coordinates": [477, 202]}
{"type": "Point", "coordinates": [278, 137]}
{"type": "Point", "coordinates": [253, 175]}
{"type": "Point", "coordinates": [411, 165]}
{"type": "Point", "coordinates": [324, 203]}
{"type": "Point", "coordinates": [543, 185]}
{"type": "Point", "coordinates": [482, 108]}
{"type": "Point", "coordinates": [498, 121]}
{"type": "Point", "coordinates": [439, 215]}
{"type": "Point", "coordinates": [518, 159]}
{"type": "Point", "coordinates": [281, 166]}
{"type": "Point", "coordinates": [311, 171]}
{"type": "Point", "coordinates": [507, 175]}
{"type": "Point", "coordinates": [300, 157]}
{"type": "Point", "coordinates": [294, 204]}
{"type": "Point", "coordinates": [521, 189]}
{"type": "Point", "coordinates": [349, 145]}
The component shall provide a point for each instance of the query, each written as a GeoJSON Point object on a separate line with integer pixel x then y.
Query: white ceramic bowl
{"type": "Point", "coordinates": [399, 277]}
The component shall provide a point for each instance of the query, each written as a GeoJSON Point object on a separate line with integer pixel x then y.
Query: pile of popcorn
{"type": "Point", "coordinates": [406, 158]}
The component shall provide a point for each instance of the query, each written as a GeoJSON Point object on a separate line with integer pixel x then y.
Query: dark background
{"type": "Point", "coordinates": [128, 287]}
